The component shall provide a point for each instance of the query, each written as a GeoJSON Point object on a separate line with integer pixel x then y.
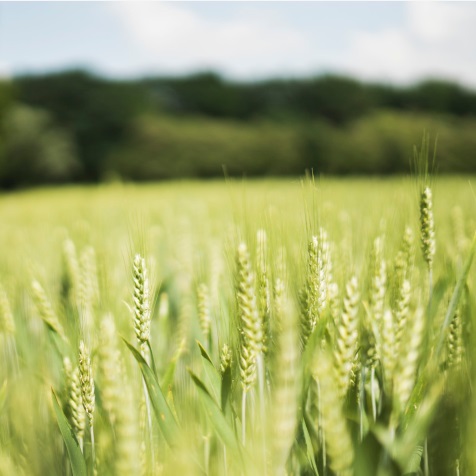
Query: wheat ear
{"type": "Point", "coordinates": [427, 228]}
{"type": "Point", "coordinates": [141, 306]}
{"type": "Point", "coordinates": [388, 350]}
{"type": "Point", "coordinates": [109, 370]}
{"type": "Point", "coordinates": [71, 271]}
{"type": "Point", "coordinates": [45, 310]}
{"type": "Point", "coordinates": [402, 308]}
{"type": "Point", "coordinates": [347, 337]}
{"type": "Point", "coordinates": [262, 278]}
{"type": "Point", "coordinates": [87, 391]}
{"type": "Point", "coordinates": [338, 442]}
{"type": "Point", "coordinates": [7, 322]}
{"type": "Point", "coordinates": [314, 296]}
{"type": "Point", "coordinates": [407, 367]}
{"type": "Point", "coordinates": [87, 382]}
{"type": "Point", "coordinates": [286, 381]}
{"type": "Point", "coordinates": [250, 323]}
{"type": "Point", "coordinates": [455, 344]}
{"type": "Point", "coordinates": [142, 330]}
{"type": "Point", "coordinates": [378, 281]}
{"type": "Point", "coordinates": [225, 358]}
{"type": "Point", "coordinates": [251, 329]}
{"type": "Point", "coordinates": [76, 409]}
{"type": "Point", "coordinates": [88, 292]}
{"type": "Point", "coordinates": [203, 305]}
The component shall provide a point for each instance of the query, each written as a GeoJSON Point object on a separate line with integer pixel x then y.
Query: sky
{"type": "Point", "coordinates": [396, 42]}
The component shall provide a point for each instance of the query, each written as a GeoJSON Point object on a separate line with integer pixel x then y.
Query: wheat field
{"type": "Point", "coordinates": [300, 327]}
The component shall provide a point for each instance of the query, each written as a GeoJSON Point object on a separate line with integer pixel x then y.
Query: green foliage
{"type": "Point", "coordinates": [33, 150]}
{"type": "Point", "coordinates": [378, 144]}
{"type": "Point", "coordinates": [170, 148]}
{"type": "Point", "coordinates": [88, 128]}
{"type": "Point", "coordinates": [7, 96]}
{"type": "Point", "coordinates": [336, 99]}
{"type": "Point", "coordinates": [96, 112]}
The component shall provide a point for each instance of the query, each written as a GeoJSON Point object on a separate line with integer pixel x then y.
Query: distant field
{"type": "Point", "coordinates": [323, 367]}
{"type": "Point", "coordinates": [119, 219]}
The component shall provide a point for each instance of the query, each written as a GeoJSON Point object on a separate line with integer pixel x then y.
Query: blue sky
{"type": "Point", "coordinates": [389, 41]}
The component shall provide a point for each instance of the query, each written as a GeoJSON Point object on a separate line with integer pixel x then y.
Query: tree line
{"type": "Point", "coordinates": [75, 126]}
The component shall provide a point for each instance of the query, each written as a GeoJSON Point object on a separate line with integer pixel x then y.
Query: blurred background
{"type": "Point", "coordinates": [94, 92]}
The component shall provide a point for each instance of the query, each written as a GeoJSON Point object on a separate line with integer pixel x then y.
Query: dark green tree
{"type": "Point", "coordinates": [97, 112]}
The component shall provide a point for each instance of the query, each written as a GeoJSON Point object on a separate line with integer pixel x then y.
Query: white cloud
{"type": "Point", "coordinates": [436, 39]}
{"type": "Point", "coordinates": [433, 39]}
{"type": "Point", "coordinates": [179, 39]}
{"type": "Point", "coordinates": [439, 22]}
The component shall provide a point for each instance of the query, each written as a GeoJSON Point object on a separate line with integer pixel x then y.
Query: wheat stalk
{"type": "Point", "coordinates": [141, 308]}
{"type": "Point", "coordinates": [286, 380]}
{"type": "Point", "coordinates": [7, 322]}
{"type": "Point", "coordinates": [72, 273]}
{"type": "Point", "coordinates": [388, 350]}
{"type": "Point", "coordinates": [141, 313]}
{"type": "Point", "coordinates": [262, 278]}
{"type": "Point", "coordinates": [374, 324]}
{"type": "Point", "coordinates": [86, 382]}
{"type": "Point", "coordinates": [455, 344]}
{"type": "Point", "coordinates": [109, 371]}
{"type": "Point", "coordinates": [126, 432]}
{"type": "Point", "coordinates": [314, 296]}
{"type": "Point", "coordinates": [225, 358]}
{"type": "Point", "coordinates": [203, 305]}
{"type": "Point", "coordinates": [251, 327]}
{"type": "Point", "coordinates": [250, 323]}
{"type": "Point", "coordinates": [427, 227]}
{"type": "Point", "coordinates": [378, 281]}
{"type": "Point", "coordinates": [338, 442]}
{"type": "Point", "coordinates": [407, 366]}
{"type": "Point", "coordinates": [347, 337]}
{"type": "Point", "coordinates": [45, 310]}
{"type": "Point", "coordinates": [87, 391]}
{"type": "Point", "coordinates": [402, 308]}
{"type": "Point", "coordinates": [460, 238]}
{"type": "Point", "coordinates": [76, 408]}
{"type": "Point", "coordinates": [86, 291]}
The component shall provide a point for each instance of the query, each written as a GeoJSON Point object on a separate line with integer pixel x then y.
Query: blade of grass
{"type": "Point", "coordinates": [225, 389]}
{"type": "Point", "coordinates": [168, 378]}
{"type": "Point", "coordinates": [309, 447]}
{"type": "Point", "coordinates": [220, 423]}
{"type": "Point", "coordinates": [152, 360]}
{"type": "Point", "coordinates": [422, 385]}
{"type": "Point", "coordinates": [403, 448]}
{"type": "Point", "coordinates": [211, 373]}
{"type": "Point", "coordinates": [455, 298]}
{"type": "Point", "coordinates": [163, 414]}
{"type": "Point", "coordinates": [169, 375]}
{"type": "Point", "coordinates": [76, 458]}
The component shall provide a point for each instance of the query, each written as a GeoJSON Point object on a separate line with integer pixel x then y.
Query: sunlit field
{"type": "Point", "coordinates": [243, 327]}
